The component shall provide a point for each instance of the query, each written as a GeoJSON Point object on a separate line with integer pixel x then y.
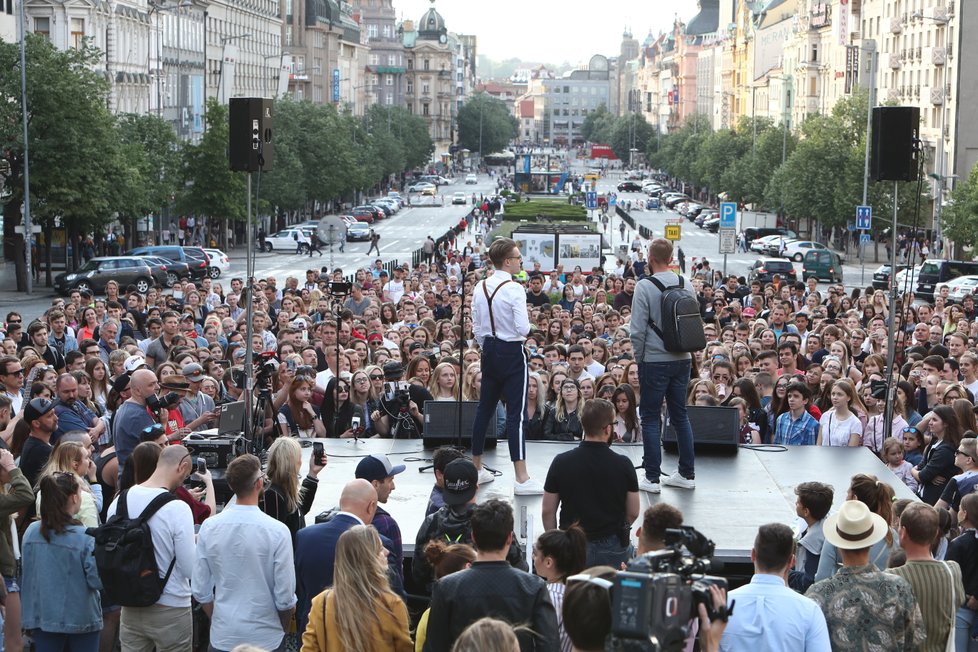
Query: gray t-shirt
{"type": "Point", "coordinates": [647, 302]}
{"type": "Point", "coordinates": [355, 307]}
{"type": "Point", "coordinates": [128, 423]}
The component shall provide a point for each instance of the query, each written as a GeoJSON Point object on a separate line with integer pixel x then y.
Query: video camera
{"type": "Point", "coordinates": [657, 596]}
{"type": "Point", "coordinates": [156, 403]}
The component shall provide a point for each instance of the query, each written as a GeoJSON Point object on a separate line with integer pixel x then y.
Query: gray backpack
{"type": "Point", "coordinates": [681, 326]}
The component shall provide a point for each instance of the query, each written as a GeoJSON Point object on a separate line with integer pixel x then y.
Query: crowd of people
{"type": "Point", "coordinates": [99, 392]}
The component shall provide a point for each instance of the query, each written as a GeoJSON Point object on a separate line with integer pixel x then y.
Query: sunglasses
{"type": "Point", "coordinates": [376, 377]}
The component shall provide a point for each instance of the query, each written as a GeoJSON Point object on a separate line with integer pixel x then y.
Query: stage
{"type": "Point", "coordinates": [734, 493]}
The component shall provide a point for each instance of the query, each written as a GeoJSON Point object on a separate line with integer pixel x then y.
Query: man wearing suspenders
{"type": "Point", "coordinates": [501, 324]}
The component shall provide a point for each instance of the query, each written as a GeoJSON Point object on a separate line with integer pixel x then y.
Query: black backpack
{"type": "Point", "coordinates": [126, 557]}
{"type": "Point", "coordinates": [681, 324]}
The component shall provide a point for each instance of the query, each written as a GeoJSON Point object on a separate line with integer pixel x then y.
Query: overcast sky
{"type": "Point", "coordinates": [549, 30]}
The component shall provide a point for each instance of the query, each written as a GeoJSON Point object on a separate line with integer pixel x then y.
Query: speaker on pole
{"type": "Point", "coordinates": [895, 134]}
{"type": "Point", "coordinates": [250, 146]}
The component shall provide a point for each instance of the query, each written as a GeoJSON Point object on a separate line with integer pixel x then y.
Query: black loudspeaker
{"type": "Point", "coordinates": [714, 428]}
{"type": "Point", "coordinates": [441, 424]}
{"type": "Point", "coordinates": [894, 140]}
{"type": "Point", "coordinates": [250, 147]}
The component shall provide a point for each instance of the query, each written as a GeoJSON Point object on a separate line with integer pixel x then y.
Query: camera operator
{"type": "Point", "coordinates": [400, 405]}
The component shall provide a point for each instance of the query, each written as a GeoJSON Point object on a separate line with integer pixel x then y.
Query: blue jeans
{"type": "Point", "coordinates": [665, 380]}
{"type": "Point", "coordinates": [51, 642]}
{"type": "Point", "coordinates": [964, 621]}
{"type": "Point", "coordinates": [608, 552]}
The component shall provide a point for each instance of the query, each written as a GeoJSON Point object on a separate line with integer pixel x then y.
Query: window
{"type": "Point", "coordinates": [77, 32]}
{"type": "Point", "coordinates": [424, 109]}
{"type": "Point", "coordinates": [374, 60]}
{"type": "Point", "coordinates": [427, 64]}
{"type": "Point", "coordinates": [410, 64]}
{"type": "Point", "coordinates": [391, 59]}
{"type": "Point", "coordinates": [371, 31]}
{"type": "Point", "coordinates": [390, 99]}
{"type": "Point", "coordinates": [410, 87]}
{"type": "Point", "coordinates": [42, 27]}
{"type": "Point", "coordinates": [389, 80]}
{"type": "Point", "coordinates": [387, 31]}
{"type": "Point", "coordinates": [425, 89]}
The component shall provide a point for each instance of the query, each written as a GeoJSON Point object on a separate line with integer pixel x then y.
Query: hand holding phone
{"type": "Point", "coordinates": [318, 454]}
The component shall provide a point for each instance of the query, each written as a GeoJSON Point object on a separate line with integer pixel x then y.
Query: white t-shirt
{"type": "Point", "coordinates": [395, 290]}
{"type": "Point", "coordinates": [836, 431]}
{"type": "Point", "coordinates": [173, 535]}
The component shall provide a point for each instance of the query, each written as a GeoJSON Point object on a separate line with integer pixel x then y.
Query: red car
{"type": "Point", "coordinates": [363, 215]}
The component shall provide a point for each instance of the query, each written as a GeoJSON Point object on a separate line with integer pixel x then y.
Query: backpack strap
{"type": "Point", "coordinates": [154, 506]}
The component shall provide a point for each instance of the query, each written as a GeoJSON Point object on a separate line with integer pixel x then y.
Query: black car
{"type": "Point", "coordinates": [165, 271]}
{"type": "Point", "coordinates": [763, 270]}
{"type": "Point", "coordinates": [712, 224]}
{"type": "Point", "coordinates": [358, 232]}
{"type": "Point", "coordinates": [629, 186]}
{"type": "Point", "coordinates": [97, 272]}
{"type": "Point", "coordinates": [881, 277]}
{"type": "Point", "coordinates": [195, 257]}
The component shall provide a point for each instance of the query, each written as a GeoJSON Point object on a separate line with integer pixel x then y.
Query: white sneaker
{"type": "Point", "coordinates": [485, 477]}
{"type": "Point", "coordinates": [676, 480]}
{"type": "Point", "coordinates": [529, 488]}
{"type": "Point", "coordinates": [647, 485]}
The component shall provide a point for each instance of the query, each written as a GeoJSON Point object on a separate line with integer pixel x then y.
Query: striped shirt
{"type": "Point", "coordinates": [556, 591]}
{"type": "Point", "coordinates": [938, 597]}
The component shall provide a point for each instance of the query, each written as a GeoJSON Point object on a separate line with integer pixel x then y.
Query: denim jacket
{"type": "Point", "coordinates": [60, 587]}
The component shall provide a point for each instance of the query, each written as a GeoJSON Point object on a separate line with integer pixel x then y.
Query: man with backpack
{"type": "Point", "coordinates": [453, 522]}
{"type": "Point", "coordinates": [155, 597]}
{"type": "Point", "coordinates": [665, 327]}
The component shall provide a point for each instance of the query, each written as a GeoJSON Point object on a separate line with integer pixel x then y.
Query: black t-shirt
{"type": "Point", "coordinates": [33, 457]}
{"type": "Point", "coordinates": [537, 300]}
{"type": "Point", "coordinates": [593, 482]}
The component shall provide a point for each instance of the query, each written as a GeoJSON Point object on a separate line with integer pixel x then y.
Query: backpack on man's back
{"type": "Point", "coordinates": [126, 557]}
{"type": "Point", "coordinates": [681, 324]}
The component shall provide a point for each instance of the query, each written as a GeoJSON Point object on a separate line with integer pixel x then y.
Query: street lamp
{"type": "Point", "coordinates": [28, 232]}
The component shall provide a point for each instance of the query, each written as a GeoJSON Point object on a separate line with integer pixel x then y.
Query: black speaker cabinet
{"type": "Point", "coordinates": [250, 146]}
{"type": "Point", "coordinates": [714, 429]}
{"type": "Point", "coordinates": [441, 425]}
{"type": "Point", "coordinates": [894, 143]}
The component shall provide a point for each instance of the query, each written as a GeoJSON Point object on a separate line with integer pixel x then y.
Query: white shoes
{"type": "Point", "coordinates": [676, 480]}
{"type": "Point", "coordinates": [529, 488]}
{"type": "Point", "coordinates": [485, 477]}
{"type": "Point", "coordinates": [652, 487]}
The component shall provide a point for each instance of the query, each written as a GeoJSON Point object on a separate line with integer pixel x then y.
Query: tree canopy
{"type": "Point", "coordinates": [485, 124]}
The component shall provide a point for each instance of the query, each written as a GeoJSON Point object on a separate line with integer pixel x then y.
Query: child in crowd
{"type": "Point", "coordinates": [913, 446]}
{"type": "Point", "coordinates": [894, 457]}
{"type": "Point", "coordinates": [812, 505]}
{"type": "Point", "coordinates": [749, 433]}
{"type": "Point", "coordinates": [796, 427]}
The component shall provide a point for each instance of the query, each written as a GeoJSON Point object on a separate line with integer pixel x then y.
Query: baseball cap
{"type": "Point", "coordinates": [377, 467]}
{"type": "Point", "coordinates": [37, 409]}
{"type": "Point", "coordinates": [461, 482]}
{"type": "Point", "coordinates": [121, 382]}
{"type": "Point", "coordinates": [193, 372]}
{"type": "Point", "coordinates": [375, 337]}
{"type": "Point", "coordinates": [749, 312]}
{"type": "Point", "coordinates": [186, 316]}
{"type": "Point", "coordinates": [133, 363]}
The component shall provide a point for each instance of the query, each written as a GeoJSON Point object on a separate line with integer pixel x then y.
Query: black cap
{"type": "Point", "coordinates": [37, 409]}
{"type": "Point", "coordinates": [461, 482]}
{"type": "Point", "coordinates": [393, 370]}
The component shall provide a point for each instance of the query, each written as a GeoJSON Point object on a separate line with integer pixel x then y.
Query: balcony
{"type": "Point", "coordinates": [936, 96]}
{"type": "Point", "coordinates": [445, 74]}
{"type": "Point", "coordinates": [893, 95]}
{"type": "Point", "coordinates": [920, 53]}
{"type": "Point", "coordinates": [896, 27]}
{"type": "Point", "coordinates": [941, 13]}
{"type": "Point", "coordinates": [916, 90]}
{"type": "Point", "coordinates": [895, 61]}
{"type": "Point", "coordinates": [938, 56]}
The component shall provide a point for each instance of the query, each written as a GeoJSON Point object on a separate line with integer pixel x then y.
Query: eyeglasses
{"type": "Point", "coordinates": [961, 452]}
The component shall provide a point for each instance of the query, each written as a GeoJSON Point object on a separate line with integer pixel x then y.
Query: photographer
{"type": "Point", "coordinates": [400, 413]}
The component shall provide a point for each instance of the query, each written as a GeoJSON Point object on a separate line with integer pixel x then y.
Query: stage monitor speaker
{"type": "Point", "coordinates": [894, 140]}
{"type": "Point", "coordinates": [441, 426]}
{"type": "Point", "coordinates": [250, 147]}
{"type": "Point", "coordinates": [714, 428]}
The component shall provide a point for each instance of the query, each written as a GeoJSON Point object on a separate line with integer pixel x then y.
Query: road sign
{"type": "Point", "coordinates": [864, 217]}
{"type": "Point", "coordinates": [674, 232]}
{"type": "Point", "coordinates": [591, 198]}
{"type": "Point", "coordinates": [728, 215]}
{"type": "Point", "coordinates": [728, 241]}
{"type": "Point", "coordinates": [612, 200]}
{"type": "Point", "coordinates": [863, 239]}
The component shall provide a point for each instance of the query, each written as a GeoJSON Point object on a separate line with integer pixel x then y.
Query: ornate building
{"type": "Point", "coordinates": [430, 85]}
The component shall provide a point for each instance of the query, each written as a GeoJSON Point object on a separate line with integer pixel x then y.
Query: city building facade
{"type": "Point", "coordinates": [569, 99]}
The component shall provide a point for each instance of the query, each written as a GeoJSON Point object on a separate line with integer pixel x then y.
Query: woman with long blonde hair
{"type": "Point", "coordinates": [359, 612]}
{"type": "Point", "coordinates": [443, 384]}
{"type": "Point", "coordinates": [285, 500]}
{"type": "Point", "coordinates": [71, 457]}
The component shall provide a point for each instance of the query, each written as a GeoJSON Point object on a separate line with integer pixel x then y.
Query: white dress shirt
{"type": "Point", "coordinates": [247, 556]}
{"type": "Point", "coordinates": [508, 309]}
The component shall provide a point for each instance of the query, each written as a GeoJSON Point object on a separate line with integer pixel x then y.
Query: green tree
{"type": "Point", "coordinates": [210, 187]}
{"type": "Point", "coordinates": [959, 218]}
{"type": "Point", "coordinates": [486, 125]}
{"type": "Point", "coordinates": [74, 152]}
{"type": "Point", "coordinates": [598, 126]}
{"type": "Point", "coordinates": [630, 131]}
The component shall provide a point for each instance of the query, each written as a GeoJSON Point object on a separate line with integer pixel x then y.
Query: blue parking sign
{"type": "Point", "coordinates": [864, 217]}
{"type": "Point", "coordinates": [728, 215]}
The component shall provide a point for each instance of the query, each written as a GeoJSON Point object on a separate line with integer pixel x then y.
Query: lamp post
{"type": "Point", "coordinates": [28, 231]}
{"type": "Point", "coordinates": [869, 45]}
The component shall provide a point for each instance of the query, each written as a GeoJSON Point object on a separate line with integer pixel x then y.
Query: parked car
{"type": "Point", "coordinates": [471, 179]}
{"type": "Point", "coordinates": [166, 272]}
{"type": "Point", "coordinates": [760, 244]}
{"type": "Point", "coordinates": [674, 201]}
{"type": "Point", "coordinates": [287, 240]}
{"type": "Point", "coordinates": [195, 257]}
{"type": "Point", "coordinates": [881, 277]}
{"type": "Point", "coordinates": [797, 249]}
{"type": "Point", "coordinates": [754, 232]}
{"type": "Point", "coordinates": [460, 198]}
{"type": "Point", "coordinates": [908, 279]}
{"type": "Point", "coordinates": [763, 270]}
{"type": "Point", "coordinates": [936, 271]}
{"type": "Point", "coordinates": [385, 202]}
{"type": "Point", "coordinates": [220, 263]}
{"type": "Point", "coordinates": [358, 232]}
{"type": "Point", "coordinates": [93, 275]}
{"type": "Point", "coordinates": [378, 212]}
{"type": "Point", "coordinates": [959, 288]}
{"type": "Point", "coordinates": [396, 196]}
{"type": "Point", "coordinates": [712, 223]}
{"type": "Point", "coordinates": [363, 215]}
{"type": "Point", "coordinates": [822, 264]}
{"type": "Point", "coordinates": [629, 186]}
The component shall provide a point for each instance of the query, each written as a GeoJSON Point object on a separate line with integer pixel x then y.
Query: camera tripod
{"type": "Point", "coordinates": [262, 407]}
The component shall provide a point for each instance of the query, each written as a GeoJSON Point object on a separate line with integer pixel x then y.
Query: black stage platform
{"type": "Point", "coordinates": [735, 493]}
